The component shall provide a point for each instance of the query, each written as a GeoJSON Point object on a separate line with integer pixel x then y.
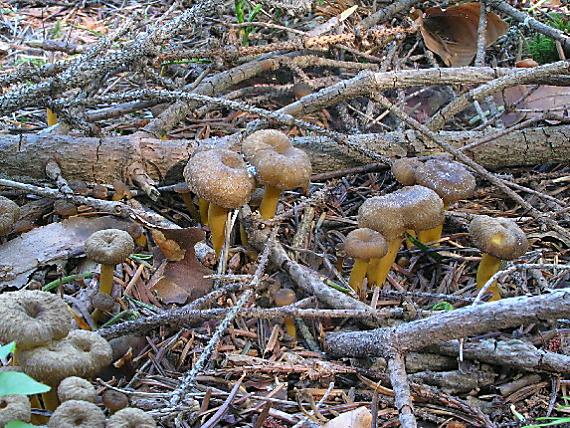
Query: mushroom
{"type": "Point", "coordinates": [82, 353]}
{"type": "Point", "coordinates": [362, 245]}
{"type": "Point", "coordinates": [451, 181]}
{"type": "Point", "coordinates": [115, 400]}
{"type": "Point", "coordinates": [14, 407]}
{"type": "Point", "coordinates": [32, 318]}
{"type": "Point", "coordinates": [404, 170]}
{"type": "Point", "coordinates": [184, 191]}
{"type": "Point", "coordinates": [220, 177]}
{"type": "Point", "coordinates": [498, 239]}
{"type": "Point", "coordinates": [130, 417]}
{"type": "Point", "coordinates": [108, 247]}
{"type": "Point", "coordinates": [9, 215]}
{"type": "Point", "coordinates": [285, 297]}
{"type": "Point", "coordinates": [76, 388]}
{"type": "Point", "coordinates": [279, 166]}
{"type": "Point", "coordinates": [412, 207]}
{"type": "Point", "coordinates": [77, 414]}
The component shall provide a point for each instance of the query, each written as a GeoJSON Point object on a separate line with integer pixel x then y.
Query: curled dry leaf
{"type": "Point", "coordinates": [178, 281]}
{"type": "Point", "coordinates": [357, 418]}
{"type": "Point", "coordinates": [170, 249]}
{"type": "Point", "coordinates": [452, 33]}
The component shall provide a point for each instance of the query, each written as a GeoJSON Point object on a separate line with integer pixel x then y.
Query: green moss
{"type": "Point", "coordinates": [543, 48]}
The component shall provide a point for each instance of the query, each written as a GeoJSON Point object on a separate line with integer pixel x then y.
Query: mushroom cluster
{"type": "Point", "coordinates": [450, 180]}
{"type": "Point", "coordinates": [414, 207]}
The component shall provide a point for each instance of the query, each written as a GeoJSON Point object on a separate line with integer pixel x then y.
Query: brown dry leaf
{"type": "Point", "coordinates": [49, 245]}
{"type": "Point", "coordinates": [178, 281]}
{"type": "Point", "coordinates": [526, 63]}
{"type": "Point", "coordinates": [357, 418]}
{"type": "Point", "coordinates": [542, 98]}
{"type": "Point", "coordinates": [170, 249]}
{"type": "Point", "coordinates": [452, 33]}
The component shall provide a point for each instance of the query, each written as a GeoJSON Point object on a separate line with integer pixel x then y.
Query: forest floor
{"type": "Point", "coordinates": [200, 341]}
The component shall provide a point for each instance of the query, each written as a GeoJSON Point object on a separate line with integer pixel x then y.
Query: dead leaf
{"type": "Point", "coordinates": [526, 63]}
{"type": "Point", "coordinates": [49, 245]}
{"type": "Point", "coordinates": [357, 418]}
{"type": "Point", "coordinates": [541, 98]}
{"type": "Point", "coordinates": [178, 281]}
{"type": "Point", "coordinates": [170, 249]}
{"type": "Point", "coordinates": [452, 33]}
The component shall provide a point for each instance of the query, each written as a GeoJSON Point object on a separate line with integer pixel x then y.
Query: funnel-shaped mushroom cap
{"type": "Point", "coordinates": [109, 246]}
{"type": "Point", "coordinates": [32, 318]}
{"type": "Point", "coordinates": [365, 244]}
{"type": "Point", "coordinates": [384, 215]}
{"type": "Point", "coordinates": [131, 418]}
{"type": "Point", "coordinates": [220, 177]}
{"type": "Point", "coordinates": [9, 214]}
{"type": "Point", "coordinates": [77, 414]}
{"type": "Point", "coordinates": [450, 180]}
{"type": "Point", "coordinates": [404, 170]}
{"type": "Point", "coordinates": [76, 388]}
{"type": "Point", "coordinates": [499, 237]}
{"type": "Point", "coordinates": [422, 208]}
{"type": "Point", "coordinates": [284, 297]}
{"type": "Point", "coordinates": [276, 161]}
{"type": "Point", "coordinates": [82, 353]}
{"type": "Point", "coordinates": [14, 407]}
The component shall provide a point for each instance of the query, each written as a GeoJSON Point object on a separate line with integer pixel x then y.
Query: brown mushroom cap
{"type": "Point", "coordinates": [404, 170]}
{"type": "Point", "coordinates": [365, 243]}
{"type": "Point", "coordinates": [82, 353]}
{"type": "Point", "coordinates": [109, 246]}
{"type": "Point", "coordinates": [276, 161]}
{"type": "Point", "coordinates": [76, 388]}
{"type": "Point", "coordinates": [181, 188]}
{"type": "Point", "coordinates": [9, 215]}
{"type": "Point", "coordinates": [422, 208]}
{"type": "Point", "coordinates": [103, 302]}
{"type": "Point", "coordinates": [115, 400]}
{"type": "Point", "coordinates": [384, 215]}
{"type": "Point", "coordinates": [130, 417]}
{"type": "Point", "coordinates": [499, 237]}
{"type": "Point", "coordinates": [449, 179]}
{"type": "Point", "coordinates": [32, 318]}
{"type": "Point", "coordinates": [220, 177]}
{"type": "Point", "coordinates": [284, 297]}
{"type": "Point", "coordinates": [77, 414]}
{"type": "Point", "coordinates": [14, 407]}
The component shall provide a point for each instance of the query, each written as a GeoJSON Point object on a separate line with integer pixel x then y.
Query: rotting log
{"type": "Point", "coordinates": [112, 158]}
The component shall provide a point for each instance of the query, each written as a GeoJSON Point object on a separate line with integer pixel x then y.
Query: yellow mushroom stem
{"type": "Point", "coordinates": [290, 327]}
{"type": "Point", "coordinates": [50, 399]}
{"type": "Point", "coordinates": [203, 206]}
{"type": "Point", "coordinates": [357, 274]}
{"type": "Point", "coordinates": [217, 221]}
{"type": "Point", "coordinates": [432, 235]}
{"type": "Point", "coordinates": [190, 206]}
{"type": "Point", "coordinates": [106, 279]}
{"type": "Point", "coordinates": [488, 266]}
{"type": "Point", "coordinates": [51, 117]}
{"type": "Point", "coordinates": [269, 202]}
{"type": "Point", "coordinates": [382, 266]}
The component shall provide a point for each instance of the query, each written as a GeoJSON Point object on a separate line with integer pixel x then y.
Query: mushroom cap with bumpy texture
{"type": "Point", "coordinates": [82, 353]}
{"type": "Point", "coordinates": [365, 244]}
{"type": "Point", "coordinates": [384, 215]}
{"type": "Point", "coordinates": [9, 214]}
{"type": "Point", "coordinates": [449, 179]}
{"type": "Point", "coordinates": [14, 407]}
{"type": "Point", "coordinates": [32, 318]}
{"type": "Point", "coordinates": [499, 237]}
{"type": "Point", "coordinates": [220, 176]}
{"type": "Point", "coordinates": [77, 414]}
{"type": "Point", "coordinates": [422, 208]}
{"type": "Point", "coordinates": [404, 170]}
{"type": "Point", "coordinates": [130, 417]}
{"type": "Point", "coordinates": [76, 388]}
{"type": "Point", "coordinates": [276, 161]}
{"type": "Point", "coordinates": [109, 246]}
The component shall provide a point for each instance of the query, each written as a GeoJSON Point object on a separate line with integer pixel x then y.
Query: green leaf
{"type": "Point", "coordinates": [19, 424]}
{"type": "Point", "coordinates": [442, 306]}
{"type": "Point", "coordinates": [20, 383]}
{"type": "Point", "coordinates": [6, 350]}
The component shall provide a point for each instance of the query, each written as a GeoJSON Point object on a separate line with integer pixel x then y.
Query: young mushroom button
{"type": "Point", "coordinates": [9, 215]}
{"type": "Point", "coordinates": [220, 177]}
{"type": "Point", "coordinates": [498, 239]}
{"type": "Point", "coordinates": [362, 245]}
{"type": "Point", "coordinates": [278, 164]}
